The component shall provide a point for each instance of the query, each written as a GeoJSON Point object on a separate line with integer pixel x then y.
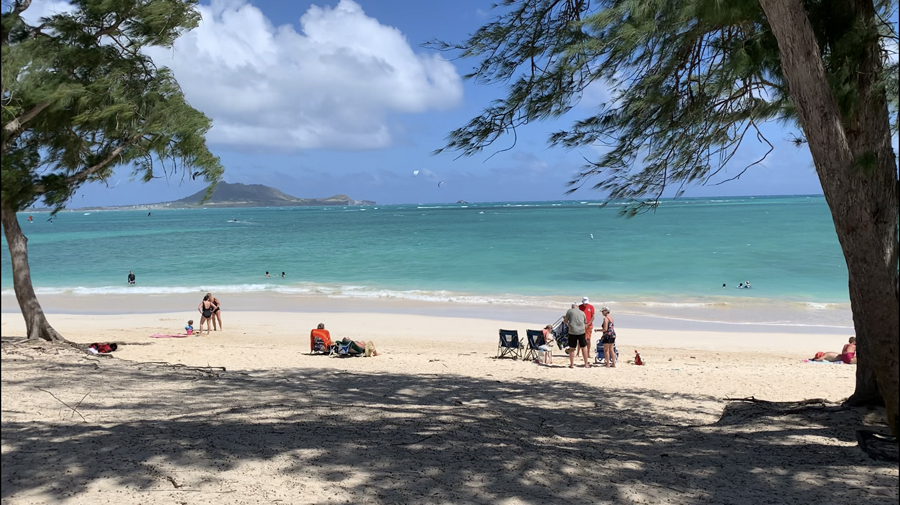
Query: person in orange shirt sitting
{"type": "Point", "coordinates": [321, 333]}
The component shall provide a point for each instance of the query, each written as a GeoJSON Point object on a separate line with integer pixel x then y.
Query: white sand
{"type": "Point", "coordinates": [434, 419]}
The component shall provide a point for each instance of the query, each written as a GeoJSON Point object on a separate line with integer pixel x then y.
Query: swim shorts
{"type": "Point", "coordinates": [577, 340]}
{"type": "Point", "coordinates": [608, 339]}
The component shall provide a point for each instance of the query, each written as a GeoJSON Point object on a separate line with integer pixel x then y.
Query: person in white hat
{"type": "Point", "coordinates": [588, 310]}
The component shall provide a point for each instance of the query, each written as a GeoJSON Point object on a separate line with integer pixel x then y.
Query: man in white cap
{"type": "Point", "coordinates": [588, 310]}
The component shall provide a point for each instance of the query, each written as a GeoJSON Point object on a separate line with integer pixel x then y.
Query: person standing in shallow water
{"type": "Point", "coordinates": [131, 279]}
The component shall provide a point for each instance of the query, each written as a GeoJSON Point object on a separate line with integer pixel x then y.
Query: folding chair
{"type": "Point", "coordinates": [535, 340]}
{"type": "Point", "coordinates": [348, 349]}
{"type": "Point", "coordinates": [509, 344]}
{"type": "Point", "coordinates": [319, 346]}
{"type": "Point", "coordinates": [599, 357]}
{"type": "Point", "coordinates": [561, 333]}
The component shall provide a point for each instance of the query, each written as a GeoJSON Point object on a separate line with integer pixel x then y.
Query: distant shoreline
{"type": "Point", "coordinates": [574, 201]}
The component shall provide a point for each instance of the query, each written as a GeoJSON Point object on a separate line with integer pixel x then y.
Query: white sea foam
{"type": "Point", "coordinates": [147, 290]}
{"type": "Point", "coordinates": [753, 312]}
{"type": "Point", "coordinates": [684, 304]}
{"type": "Point", "coordinates": [820, 306]}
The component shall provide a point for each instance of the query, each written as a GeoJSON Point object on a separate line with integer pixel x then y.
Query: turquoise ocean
{"type": "Point", "coordinates": [672, 262]}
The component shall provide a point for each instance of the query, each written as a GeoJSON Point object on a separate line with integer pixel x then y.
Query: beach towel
{"type": "Point", "coordinates": [157, 335]}
{"type": "Point", "coordinates": [824, 362]}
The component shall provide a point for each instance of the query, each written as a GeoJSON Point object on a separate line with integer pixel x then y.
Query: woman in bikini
{"type": "Point", "coordinates": [847, 354]}
{"type": "Point", "coordinates": [206, 313]}
{"type": "Point", "coordinates": [609, 338]}
{"type": "Point", "coordinates": [217, 311]}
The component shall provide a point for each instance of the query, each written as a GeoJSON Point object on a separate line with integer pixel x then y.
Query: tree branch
{"type": "Point", "coordinates": [39, 189]}
{"type": "Point", "coordinates": [20, 7]}
{"type": "Point", "coordinates": [14, 128]}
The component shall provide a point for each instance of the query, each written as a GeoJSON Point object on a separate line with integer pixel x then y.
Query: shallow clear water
{"type": "Point", "coordinates": [538, 253]}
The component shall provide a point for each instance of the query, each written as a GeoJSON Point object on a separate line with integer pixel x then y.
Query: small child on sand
{"type": "Point", "coordinates": [189, 329]}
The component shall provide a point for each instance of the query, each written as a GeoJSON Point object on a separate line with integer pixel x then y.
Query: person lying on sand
{"type": "Point", "coordinates": [360, 347]}
{"type": "Point", "coordinates": [847, 354]}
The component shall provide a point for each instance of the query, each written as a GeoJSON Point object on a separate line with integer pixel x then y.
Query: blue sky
{"type": "Point", "coordinates": [327, 97]}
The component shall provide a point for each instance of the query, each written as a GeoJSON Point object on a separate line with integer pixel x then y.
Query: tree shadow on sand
{"type": "Point", "coordinates": [397, 438]}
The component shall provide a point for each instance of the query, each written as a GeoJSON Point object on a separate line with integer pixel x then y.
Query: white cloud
{"type": "Point", "coordinates": [332, 85]}
{"type": "Point", "coordinates": [43, 8]}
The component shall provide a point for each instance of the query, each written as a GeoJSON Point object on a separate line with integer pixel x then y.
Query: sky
{"type": "Point", "coordinates": [340, 97]}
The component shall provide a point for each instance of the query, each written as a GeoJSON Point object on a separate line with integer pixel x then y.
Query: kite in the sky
{"type": "Point", "coordinates": [415, 173]}
{"type": "Point", "coordinates": [440, 183]}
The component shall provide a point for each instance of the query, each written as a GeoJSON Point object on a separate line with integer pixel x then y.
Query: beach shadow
{"type": "Point", "coordinates": [398, 438]}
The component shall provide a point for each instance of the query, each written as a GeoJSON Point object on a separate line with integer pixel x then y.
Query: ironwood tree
{"type": "Point", "coordinates": [80, 98]}
{"type": "Point", "coordinates": [690, 80]}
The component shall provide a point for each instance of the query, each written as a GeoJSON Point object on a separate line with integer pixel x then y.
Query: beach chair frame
{"type": "Point", "coordinates": [535, 339]}
{"type": "Point", "coordinates": [509, 345]}
{"type": "Point", "coordinates": [560, 333]}
{"type": "Point", "coordinates": [319, 347]}
{"type": "Point", "coordinates": [599, 356]}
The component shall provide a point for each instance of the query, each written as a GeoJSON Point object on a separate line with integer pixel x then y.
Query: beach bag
{"type": "Point", "coordinates": [103, 348]}
{"type": "Point", "coordinates": [319, 345]}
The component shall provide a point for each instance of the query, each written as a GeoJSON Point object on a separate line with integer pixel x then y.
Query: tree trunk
{"type": "Point", "coordinates": [35, 321]}
{"type": "Point", "coordinates": [857, 169]}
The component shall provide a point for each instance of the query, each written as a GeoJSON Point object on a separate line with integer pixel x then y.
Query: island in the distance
{"type": "Point", "coordinates": [227, 195]}
{"type": "Point", "coordinates": [256, 195]}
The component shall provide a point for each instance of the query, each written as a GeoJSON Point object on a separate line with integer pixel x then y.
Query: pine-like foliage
{"type": "Point", "coordinates": [689, 80]}
{"type": "Point", "coordinates": [80, 97]}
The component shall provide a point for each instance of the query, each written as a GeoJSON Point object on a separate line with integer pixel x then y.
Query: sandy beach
{"type": "Point", "coordinates": [246, 415]}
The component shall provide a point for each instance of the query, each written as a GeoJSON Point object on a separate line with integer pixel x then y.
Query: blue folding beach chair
{"type": "Point", "coordinates": [599, 356]}
{"type": "Point", "coordinates": [509, 344]}
{"type": "Point", "coordinates": [560, 333]}
{"type": "Point", "coordinates": [535, 340]}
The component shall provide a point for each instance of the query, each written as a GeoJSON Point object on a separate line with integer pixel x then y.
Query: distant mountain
{"type": "Point", "coordinates": [257, 195]}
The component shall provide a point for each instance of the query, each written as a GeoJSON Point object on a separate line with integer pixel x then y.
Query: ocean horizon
{"type": "Point", "coordinates": [670, 263]}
